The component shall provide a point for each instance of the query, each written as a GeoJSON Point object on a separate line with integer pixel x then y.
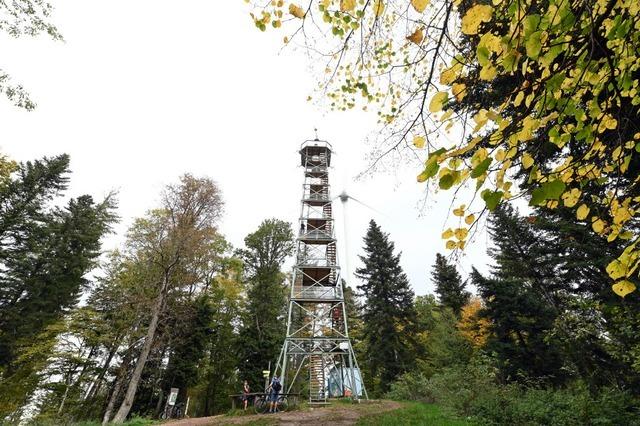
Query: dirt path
{"type": "Point", "coordinates": [337, 414]}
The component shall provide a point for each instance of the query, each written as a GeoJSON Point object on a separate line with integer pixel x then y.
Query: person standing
{"type": "Point", "coordinates": [274, 392]}
{"type": "Point", "coordinates": [246, 390]}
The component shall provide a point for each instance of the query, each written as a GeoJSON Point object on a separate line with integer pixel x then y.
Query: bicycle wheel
{"type": "Point", "coordinates": [283, 404]}
{"type": "Point", "coordinates": [260, 405]}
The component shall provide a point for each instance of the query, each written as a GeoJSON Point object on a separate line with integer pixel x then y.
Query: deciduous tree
{"type": "Point", "coordinates": [264, 323]}
{"type": "Point", "coordinates": [543, 97]}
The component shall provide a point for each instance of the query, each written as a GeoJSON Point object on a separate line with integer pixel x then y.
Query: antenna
{"type": "Point", "coordinates": [315, 130]}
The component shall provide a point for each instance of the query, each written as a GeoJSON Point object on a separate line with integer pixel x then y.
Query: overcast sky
{"type": "Point", "coordinates": [143, 91]}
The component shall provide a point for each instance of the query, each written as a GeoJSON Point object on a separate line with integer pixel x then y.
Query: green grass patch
{"type": "Point", "coordinates": [413, 413]}
{"type": "Point", "coordinates": [261, 422]}
{"type": "Point", "coordinates": [135, 421]}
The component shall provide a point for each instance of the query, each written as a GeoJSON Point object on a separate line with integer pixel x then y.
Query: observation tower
{"type": "Point", "coordinates": [317, 356]}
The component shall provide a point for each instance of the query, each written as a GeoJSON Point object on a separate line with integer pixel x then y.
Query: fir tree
{"type": "Point", "coordinates": [388, 313]}
{"type": "Point", "coordinates": [45, 253]}
{"type": "Point", "coordinates": [449, 286]}
{"type": "Point", "coordinates": [520, 301]}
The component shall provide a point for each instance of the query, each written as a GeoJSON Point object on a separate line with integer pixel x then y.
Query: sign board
{"type": "Point", "coordinates": [173, 396]}
{"type": "Point", "coordinates": [265, 373]}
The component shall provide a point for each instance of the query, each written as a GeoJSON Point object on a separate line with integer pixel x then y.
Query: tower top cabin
{"type": "Point", "coordinates": [315, 153]}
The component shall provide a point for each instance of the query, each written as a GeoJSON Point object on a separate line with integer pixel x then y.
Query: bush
{"type": "Point", "coordinates": [472, 391]}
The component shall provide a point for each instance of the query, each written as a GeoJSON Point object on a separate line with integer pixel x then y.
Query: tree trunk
{"type": "Point", "coordinates": [159, 404]}
{"type": "Point", "coordinates": [97, 382]}
{"type": "Point", "coordinates": [66, 393]}
{"type": "Point", "coordinates": [129, 396]}
{"type": "Point", "coordinates": [122, 373]}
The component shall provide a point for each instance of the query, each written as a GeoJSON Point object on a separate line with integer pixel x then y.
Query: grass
{"type": "Point", "coordinates": [413, 413]}
{"type": "Point", "coordinates": [261, 422]}
{"type": "Point", "coordinates": [135, 421]}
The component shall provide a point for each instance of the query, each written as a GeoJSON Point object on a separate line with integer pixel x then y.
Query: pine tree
{"type": "Point", "coordinates": [448, 285]}
{"type": "Point", "coordinates": [388, 313]}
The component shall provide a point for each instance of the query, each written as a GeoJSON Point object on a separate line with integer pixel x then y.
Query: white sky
{"type": "Point", "coordinates": [143, 91]}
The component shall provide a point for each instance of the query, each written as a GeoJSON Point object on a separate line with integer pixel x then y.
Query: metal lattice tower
{"type": "Point", "coordinates": [317, 348]}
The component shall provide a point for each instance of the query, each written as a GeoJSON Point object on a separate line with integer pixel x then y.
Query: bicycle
{"type": "Point", "coordinates": [173, 411]}
{"type": "Point", "coordinates": [261, 405]}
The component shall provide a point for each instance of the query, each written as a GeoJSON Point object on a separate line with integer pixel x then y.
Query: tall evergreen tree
{"type": "Point", "coordinates": [263, 327]}
{"type": "Point", "coordinates": [520, 301]}
{"type": "Point", "coordinates": [45, 253]}
{"type": "Point", "coordinates": [388, 314]}
{"type": "Point", "coordinates": [448, 285]}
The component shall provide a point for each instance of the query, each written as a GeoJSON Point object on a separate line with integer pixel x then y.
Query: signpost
{"type": "Point", "coordinates": [173, 396]}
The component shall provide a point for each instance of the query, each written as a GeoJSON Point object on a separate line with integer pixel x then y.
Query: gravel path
{"type": "Point", "coordinates": [336, 414]}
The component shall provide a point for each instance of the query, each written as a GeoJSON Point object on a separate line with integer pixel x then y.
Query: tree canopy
{"type": "Point", "coordinates": [542, 97]}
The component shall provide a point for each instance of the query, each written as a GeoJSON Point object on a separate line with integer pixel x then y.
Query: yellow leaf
{"type": "Point", "coordinates": [460, 245]}
{"type": "Point", "coordinates": [325, 4]}
{"type": "Point", "coordinates": [469, 219]}
{"type": "Point", "coordinates": [583, 212]}
{"type": "Point", "coordinates": [450, 74]}
{"type": "Point", "coordinates": [416, 37]}
{"type": "Point", "coordinates": [527, 160]}
{"type": "Point", "coordinates": [488, 72]}
{"type": "Point", "coordinates": [378, 8]}
{"type": "Point", "coordinates": [474, 17]}
{"type": "Point", "coordinates": [622, 288]}
{"type": "Point", "coordinates": [519, 98]}
{"type": "Point", "coordinates": [347, 5]}
{"type": "Point", "coordinates": [459, 211]}
{"type": "Point", "coordinates": [461, 233]}
{"type": "Point", "coordinates": [451, 244]}
{"type": "Point", "coordinates": [598, 225]}
{"type": "Point", "coordinates": [447, 234]}
{"type": "Point", "coordinates": [419, 141]}
{"type": "Point", "coordinates": [438, 101]}
{"type": "Point", "coordinates": [419, 5]}
{"type": "Point", "coordinates": [296, 11]}
{"type": "Point", "coordinates": [616, 269]}
{"type": "Point", "coordinates": [459, 91]}
{"type": "Point", "coordinates": [491, 42]}
{"type": "Point", "coordinates": [570, 198]}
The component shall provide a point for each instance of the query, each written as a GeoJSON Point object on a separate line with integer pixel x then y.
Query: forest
{"type": "Point", "coordinates": [527, 111]}
{"type": "Point", "coordinates": [544, 340]}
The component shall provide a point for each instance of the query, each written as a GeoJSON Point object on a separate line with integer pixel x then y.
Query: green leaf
{"type": "Point", "coordinates": [510, 61]}
{"type": "Point", "coordinates": [481, 168]}
{"type": "Point", "coordinates": [431, 169]}
{"type": "Point", "coordinates": [492, 198]}
{"type": "Point", "coordinates": [447, 181]}
{"type": "Point", "coordinates": [530, 24]}
{"type": "Point", "coordinates": [547, 191]}
{"type": "Point", "coordinates": [483, 55]}
{"type": "Point", "coordinates": [533, 45]}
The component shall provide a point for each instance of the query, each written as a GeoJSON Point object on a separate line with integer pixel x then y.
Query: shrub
{"type": "Point", "coordinates": [472, 391]}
